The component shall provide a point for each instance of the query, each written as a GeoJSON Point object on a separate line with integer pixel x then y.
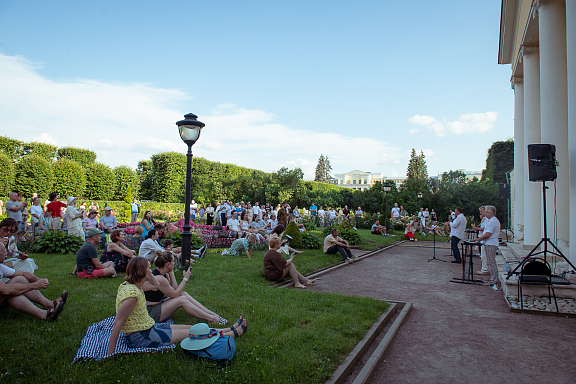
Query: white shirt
{"type": "Point", "coordinates": [395, 212]}
{"type": "Point", "coordinates": [148, 249]}
{"type": "Point", "coordinates": [321, 212]}
{"type": "Point", "coordinates": [296, 213]}
{"type": "Point", "coordinates": [426, 213]}
{"type": "Point", "coordinates": [36, 209]}
{"type": "Point", "coordinates": [234, 224]}
{"type": "Point", "coordinates": [228, 210]}
{"type": "Point", "coordinates": [458, 226]}
{"type": "Point", "coordinates": [273, 223]}
{"type": "Point", "coordinates": [493, 227]}
{"type": "Point", "coordinates": [6, 271]}
{"type": "Point", "coordinates": [256, 210]}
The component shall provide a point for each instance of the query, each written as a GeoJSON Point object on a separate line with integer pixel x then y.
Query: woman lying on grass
{"type": "Point", "coordinates": [165, 299]}
{"type": "Point", "coordinates": [132, 318]}
{"type": "Point", "coordinates": [276, 267]}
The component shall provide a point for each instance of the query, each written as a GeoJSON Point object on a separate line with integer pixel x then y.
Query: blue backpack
{"type": "Point", "coordinates": [222, 351]}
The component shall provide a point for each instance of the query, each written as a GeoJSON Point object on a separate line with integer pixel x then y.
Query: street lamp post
{"type": "Point", "coordinates": [419, 201]}
{"type": "Point", "coordinates": [189, 130]}
{"type": "Point", "coordinates": [386, 187]}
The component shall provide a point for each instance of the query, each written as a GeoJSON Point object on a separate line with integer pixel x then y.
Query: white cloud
{"type": "Point", "coordinates": [45, 138]}
{"type": "Point", "coordinates": [467, 123]}
{"type": "Point", "coordinates": [413, 131]}
{"type": "Point", "coordinates": [428, 152]}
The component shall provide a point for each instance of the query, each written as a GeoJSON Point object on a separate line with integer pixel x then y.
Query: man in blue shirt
{"type": "Point", "coordinates": [313, 209]}
{"type": "Point", "coordinates": [108, 223]}
{"type": "Point", "coordinates": [135, 208]}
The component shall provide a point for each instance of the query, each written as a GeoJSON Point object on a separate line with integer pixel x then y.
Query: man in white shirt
{"type": "Point", "coordinates": [234, 226]}
{"type": "Point", "coordinates": [256, 209]}
{"type": "Point", "coordinates": [458, 226]}
{"type": "Point", "coordinates": [395, 211]}
{"type": "Point", "coordinates": [491, 230]}
{"type": "Point", "coordinates": [421, 219]}
{"type": "Point", "coordinates": [479, 232]}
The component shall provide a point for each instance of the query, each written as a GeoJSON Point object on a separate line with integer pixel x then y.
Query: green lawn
{"type": "Point", "coordinates": [294, 335]}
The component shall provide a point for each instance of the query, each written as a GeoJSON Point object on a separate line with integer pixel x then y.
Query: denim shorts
{"type": "Point", "coordinates": [157, 336]}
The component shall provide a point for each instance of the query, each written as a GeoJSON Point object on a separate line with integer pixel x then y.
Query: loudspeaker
{"type": "Point", "coordinates": [542, 162]}
{"type": "Point", "coordinates": [503, 191]}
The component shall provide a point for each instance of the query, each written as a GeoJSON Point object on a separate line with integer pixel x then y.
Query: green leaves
{"type": "Point", "coordinates": [57, 242]}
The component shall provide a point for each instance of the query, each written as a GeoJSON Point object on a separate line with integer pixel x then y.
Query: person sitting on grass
{"type": "Point", "coordinates": [434, 228]}
{"type": "Point", "coordinates": [266, 224]}
{"type": "Point", "coordinates": [150, 248]}
{"type": "Point", "coordinates": [164, 300]}
{"type": "Point", "coordinates": [277, 268]}
{"type": "Point", "coordinates": [87, 264]}
{"type": "Point", "coordinates": [134, 241]}
{"type": "Point", "coordinates": [240, 245]}
{"type": "Point", "coordinates": [246, 228]}
{"type": "Point", "coordinates": [378, 229]}
{"type": "Point", "coordinates": [14, 258]}
{"type": "Point", "coordinates": [147, 222]}
{"type": "Point", "coordinates": [284, 248]}
{"type": "Point", "coordinates": [133, 320]}
{"type": "Point", "coordinates": [21, 291]}
{"type": "Point", "coordinates": [117, 252]}
{"type": "Point", "coordinates": [409, 231]}
{"type": "Point", "coordinates": [333, 244]}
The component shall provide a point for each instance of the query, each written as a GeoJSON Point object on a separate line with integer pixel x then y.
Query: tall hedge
{"type": "Point", "coordinates": [169, 173]}
{"type": "Point", "coordinates": [6, 174]}
{"type": "Point", "coordinates": [46, 151]}
{"type": "Point", "coordinates": [124, 176]}
{"type": "Point", "coordinates": [69, 178]}
{"type": "Point", "coordinates": [127, 212]}
{"type": "Point", "coordinates": [11, 147]}
{"type": "Point", "coordinates": [83, 157]}
{"type": "Point", "coordinates": [144, 173]}
{"type": "Point", "coordinates": [100, 182]}
{"type": "Point", "coordinates": [34, 174]}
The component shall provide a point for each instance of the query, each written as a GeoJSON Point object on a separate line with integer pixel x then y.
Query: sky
{"type": "Point", "coordinates": [277, 83]}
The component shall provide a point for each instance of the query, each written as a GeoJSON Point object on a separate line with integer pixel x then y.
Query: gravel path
{"type": "Point", "coordinates": [456, 333]}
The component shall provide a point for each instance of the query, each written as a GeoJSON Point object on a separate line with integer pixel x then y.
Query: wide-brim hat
{"type": "Point", "coordinates": [200, 336]}
{"type": "Point", "coordinates": [71, 200]}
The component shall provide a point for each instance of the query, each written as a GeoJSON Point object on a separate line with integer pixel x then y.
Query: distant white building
{"type": "Point", "coordinates": [361, 181]}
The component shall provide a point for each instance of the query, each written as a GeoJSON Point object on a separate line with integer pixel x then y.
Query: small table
{"type": "Point", "coordinates": [468, 276]}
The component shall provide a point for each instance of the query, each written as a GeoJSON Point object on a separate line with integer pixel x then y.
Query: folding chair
{"type": "Point", "coordinates": [536, 271]}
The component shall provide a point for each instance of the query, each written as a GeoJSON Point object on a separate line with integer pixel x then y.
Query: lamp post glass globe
{"type": "Point", "coordinates": [387, 187]}
{"type": "Point", "coordinates": [190, 128]}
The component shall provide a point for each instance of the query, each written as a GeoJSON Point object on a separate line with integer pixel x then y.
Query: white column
{"type": "Point", "coordinates": [554, 107]}
{"type": "Point", "coordinates": [532, 190]}
{"type": "Point", "coordinates": [571, 71]}
{"type": "Point", "coordinates": [519, 149]}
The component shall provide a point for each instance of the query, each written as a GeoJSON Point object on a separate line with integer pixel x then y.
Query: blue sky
{"type": "Point", "coordinates": [276, 82]}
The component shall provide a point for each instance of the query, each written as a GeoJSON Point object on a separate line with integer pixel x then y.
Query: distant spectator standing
{"type": "Point", "coordinates": [395, 211]}
{"type": "Point", "coordinates": [426, 215]}
{"type": "Point", "coordinates": [359, 212]}
{"type": "Point", "coordinates": [346, 212]}
{"type": "Point", "coordinates": [55, 207]}
{"type": "Point", "coordinates": [457, 233]}
{"type": "Point", "coordinates": [283, 214]}
{"type": "Point", "coordinates": [296, 213]}
{"type": "Point", "coordinates": [14, 210]}
{"type": "Point", "coordinates": [402, 212]}
{"type": "Point", "coordinates": [209, 214]}
{"type": "Point", "coordinates": [313, 209]}
{"type": "Point", "coordinates": [135, 208]}
{"type": "Point", "coordinates": [36, 213]}
{"type": "Point", "coordinates": [74, 218]}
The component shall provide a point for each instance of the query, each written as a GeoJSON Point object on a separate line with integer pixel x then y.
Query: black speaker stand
{"type": "Point", "coordinates": [434, 239]}
{"type": "Point", "coordinates": [545, 240]}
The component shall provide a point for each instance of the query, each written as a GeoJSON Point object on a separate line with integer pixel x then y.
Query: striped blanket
{"type": "Point", "coordinates": [94, 345]}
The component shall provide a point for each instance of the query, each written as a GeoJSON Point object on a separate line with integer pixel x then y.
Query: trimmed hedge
{"type": "Point", "coordinates": [83, 157]}
{"type": "Point", "coordinates": [69, 178]}
{"type": "Point", "coordinates": [6, 174]}
{"type": "Point", "coordinates": [12, 148]}
{"type": "Point", "coordinates": [293, 231]}
{"type": "Point", "coordinates": [46, 151]}
{"type": "Point", "coordinates": [34, 174]}
{"type": "Point", "coordinates": [124, 176]}
{"type": "Point", "coordinates": [99, 182]}
{"type": "Point", "coordinates": [169, 176]}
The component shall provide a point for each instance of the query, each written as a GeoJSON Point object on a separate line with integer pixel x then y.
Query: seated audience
{"type": "Point", "coordinates": [234, 226]}
{"type": "Point", "coordinates": [333, 244]}
{"type": "Point", "coordinates": [246, 227]}
{"type": "Point", "coordinates": [87, 264]}
{"type": "Point", "coordinates": [266, 224]}
{"type": "Point", "coordinates": [434, 228]}
{"type": "Point", "coordinates": [13, 257]}
{"type": "Point", "coordinates": [133, 320]}
{"type": "Point", "coordinates": [150, 248]}
{"type": "Point", "coordinates": [409, 231]}
{"type": "Point", "coordinates": [273, 221]}
{"type": "Point", "coordinates": [117, 252]}
{"type": "Point", "coordinates": [90, 221]}
{"type": "Point", "coordinates": [134, 241]}
{"type": "Point", "coordinates": [164, 300]}
{"type": "Point", "coordinates": [108, 223]}
{"type": "Point", "coordinates": [277, 268]}
{"type": "Point", "coordinates": [21, 291]}
{"type": "Point", "coordinates": [44, 223]}
{"type": "Point", "coordinates": [240, 245]}
{"type": "Point", "coordinates": [147, 223]}
{"type": "Point", "coordinates": [378, 229]}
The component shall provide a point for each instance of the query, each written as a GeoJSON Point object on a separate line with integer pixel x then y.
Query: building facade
{"type": "Point", "coordinates": [538, 40]}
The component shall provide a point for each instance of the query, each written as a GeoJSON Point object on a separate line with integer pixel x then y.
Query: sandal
{"type": "Point", "coordinates": [239, 322]}
{"type": "Point", "coordinates": [54, 312]}
{"type": "Point", "coordinates": [221, 321]}
{"type": "Point", "coordinates": [300, 286]}
{"type": "Point", "coordinates": [311, 282]}
{"type": "Point", "coordinates": [239, 331]}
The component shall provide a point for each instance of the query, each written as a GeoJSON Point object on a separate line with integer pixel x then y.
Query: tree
{"type": "Point", "coordinates": [323, 170]}
{"type": "Point", "coordinates": [100, 182]}
{"type": "Point", "coordinates": [124, 176]}
{"type": "Point", "coordinates": [6, 174]}
{"type": "Point", "coordinates": [34, 174]}
{"type": "Point", "coordinates": [84, 157]}
{"type": "Point", "coordinates": [69, 178]}
{"type": "Point", "coordinates": [417, 166]}
{"type": "Point", "coordinates": [500, 160]}
{"type": "Point", "coordinates": [144, 172]}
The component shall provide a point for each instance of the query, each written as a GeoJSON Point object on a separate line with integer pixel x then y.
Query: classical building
{"type": "Point", "coordinates": [538, 39]}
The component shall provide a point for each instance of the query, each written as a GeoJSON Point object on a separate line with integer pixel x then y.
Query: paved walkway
{"type": "Point", "coordinates": [456, 333]}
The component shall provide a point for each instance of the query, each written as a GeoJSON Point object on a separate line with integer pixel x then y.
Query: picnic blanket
{"type": "Point", "coordinates": [94, 345]}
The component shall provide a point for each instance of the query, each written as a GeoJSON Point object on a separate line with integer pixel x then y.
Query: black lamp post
{"type": "Point", "coordinates": [419, 201]}
{"type": "Point", "coordinates": [189, 130]}
{"type": "Point", "coordinates": [386, 187]}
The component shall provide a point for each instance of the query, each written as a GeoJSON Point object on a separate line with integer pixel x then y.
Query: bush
{"type": "Point", "coordinates": [46, 151]}
{"type": "Point", "coordinates": [99, 182]}
{"type": "Point", "coordinates": [83, 157]}
{"type": "Point", "coordinates": [69, 178]}
{"type": "Point", "coordinates": [6, 174]}
{"type": "Point", "coordinates": [169, 176]}
{"type": "Point", "coordinates": [293, 231]}
{"type": "Point", "coordinates": [128, 204]}
{"type": "Point", "coordinates": [34, 174]}
{"type": "Point", "coordinates": [195, 241]}
{"type": "Point", "coordinates": [57, 242]}
{"type": "Point", "coordinates": [124, 177]}
{"type": "Point", "coordinates": [12, 148]}
{"type": "Point", "coordinates": [346, 232]}
{"type": "Point", "coordinates": [309, 241]}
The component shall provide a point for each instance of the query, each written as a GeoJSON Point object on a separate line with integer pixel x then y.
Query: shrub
{"type": "Point", "coordinates": [128, 203]}
{"type": "Point", "coordinates": [34, 174]}
{"type": "Point", "coordinates": [12, 148]}
{"type": "Point", "coordinates": [6, 174]}
{"type": "Point", "coordinates": [46, 151]}
{"type": "Point", "coordinates": [195, 241]}
{"type": "Point", "coordinates": [309, 241]}
{"type": "Point", "coordinates": [124, 176]}
{"type": "Point", "coordinates": [293, 231]}
{"type": "Point", "coordinates": [169, 176]}
{"type": "Point", "coordinates": [83, 157]}
{"type": "Point", "coordinates": [69, 178]}
{"type": "Point", "coordinates": [346, 232]}
{"type": "Point", "coordinates": [99, 182]}
{"type": "Point", "coordinates": [57, 242]}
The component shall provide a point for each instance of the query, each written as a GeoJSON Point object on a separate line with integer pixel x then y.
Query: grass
{"type": "Point", "coordinates": [294, 335]}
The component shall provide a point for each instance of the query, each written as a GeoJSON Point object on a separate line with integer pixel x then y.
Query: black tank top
{"type": "Point", "coordinates": [154, 296]}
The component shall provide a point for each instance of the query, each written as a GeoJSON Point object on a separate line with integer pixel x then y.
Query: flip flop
{"type": "Point", "coordinates": [54, 312]}
{"type": "Point", "coordinates": [311, 282]}
{"type": "Point", "coordinates": [300, 286]}
{"type": "Point", "coordinates": [222, 321]}
{"type": "Point", "coordinates": [64, 297]}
